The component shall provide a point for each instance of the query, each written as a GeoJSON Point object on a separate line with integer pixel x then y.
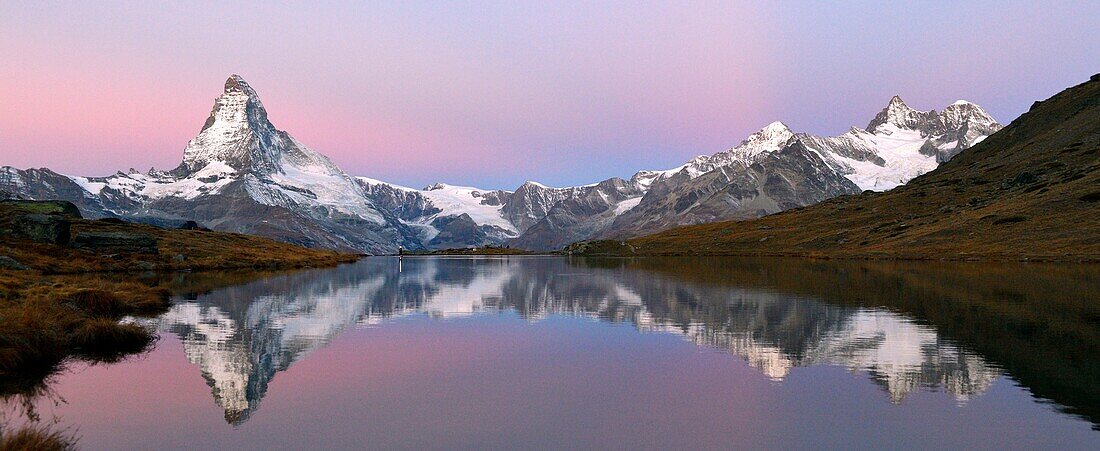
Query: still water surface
{"type": "Point", "coordinates": [548, 352]}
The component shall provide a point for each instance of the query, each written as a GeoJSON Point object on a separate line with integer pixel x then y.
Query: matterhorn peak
{"type": "Point", "coordinates": [237, 133]}
{"type": "Point", "coordinates": [236, 83]}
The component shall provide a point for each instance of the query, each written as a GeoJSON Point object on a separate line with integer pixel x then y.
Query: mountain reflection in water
{"type": "Point", "coordinates": [876, 318]}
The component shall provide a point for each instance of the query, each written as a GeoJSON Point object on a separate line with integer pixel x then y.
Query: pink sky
{"type": "Point", "coordinates": [492, 94]}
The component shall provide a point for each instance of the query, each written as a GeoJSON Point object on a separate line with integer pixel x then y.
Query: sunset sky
{"type": "Point", "coordinates": [494, 93]}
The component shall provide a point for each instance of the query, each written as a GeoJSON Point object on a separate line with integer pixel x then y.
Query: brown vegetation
{"type": "Point", "coordinates": [61, 302]}
{"type": "Point", "coordinates": [45, 320]}
{"type": "Point", "coordinates": [177, 249]}
{"type": "Point", "coordinates": [37, 438]}
{"type": "Point", "coordinates": [1029, 191]}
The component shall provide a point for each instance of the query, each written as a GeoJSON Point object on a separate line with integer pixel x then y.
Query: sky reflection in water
{"type": "Point", "coordinates": [552, 352]}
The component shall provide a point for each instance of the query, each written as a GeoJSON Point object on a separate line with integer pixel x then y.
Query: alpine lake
{"type": "Point", "coordinates": [551, 352]}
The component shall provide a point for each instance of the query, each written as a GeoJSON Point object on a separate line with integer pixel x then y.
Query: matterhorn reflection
{"type": "Point", "coordinates": [241, 337]}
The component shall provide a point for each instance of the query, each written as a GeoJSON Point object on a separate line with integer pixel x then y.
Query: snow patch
{"type": "Point", "coordinates": [458, 200]}
{"type": "Point", "coordinates": [627, 205]}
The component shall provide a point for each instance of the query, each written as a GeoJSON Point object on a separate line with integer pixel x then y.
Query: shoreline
{"type": "Point", "coordinates": [66, 283]}
{"type": "Point", "coordinates": [975, 258]}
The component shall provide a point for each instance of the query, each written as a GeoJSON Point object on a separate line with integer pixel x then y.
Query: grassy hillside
{"type": "Point", "coordinates": [1030, 191]}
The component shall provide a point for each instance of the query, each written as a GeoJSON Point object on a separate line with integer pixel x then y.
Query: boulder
{"type": "Point", "coordinates": [43, 228]}
{"type": "Point", "coordinates": [45, 207]}
{"type": "Point", "coordinates": [144, 266]}
{"type": "Point", "coordinates": [122, 242]}
{"type": "Point", "coordinates": [10, 263]}
{"type": "Point", "coordinates": [192, 225]}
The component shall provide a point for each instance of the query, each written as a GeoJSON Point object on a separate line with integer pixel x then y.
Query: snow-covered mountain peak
{"type": "Point", "coordinates": [766, 140]}
{"type": "Point", "coordinates": [235, 83]}
{"type": "Point", "coordinates": [954, 115]}
{"type": "Point", "coordinates": [239, 135]}
{"type": "Point", "coordinates": [900, 115]}
{"type": "Point", "coordinates": [531, 184]}
{"type": "Point", "coordinates": [776, 126]}
{"type": "Point", "coordinates": [238, 142]}
{"type": "Point", "coordinates": [236, 133]}
{"type": "Point", "coordinates": [773, 132]}
{"type": "Point", "coordinates": [239, 106]}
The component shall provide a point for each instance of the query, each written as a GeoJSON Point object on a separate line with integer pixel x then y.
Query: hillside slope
{"type": "Point", "coordinates": [1031, 190]}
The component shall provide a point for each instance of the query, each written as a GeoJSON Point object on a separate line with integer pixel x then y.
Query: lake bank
{"type": "Point", "coordinates": [66, 282]}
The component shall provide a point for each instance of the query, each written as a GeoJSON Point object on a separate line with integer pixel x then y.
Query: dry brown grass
{"type": "Point", "coordinates": [194, 250]}
{"type": "Point", "coordinates": [105, 340]}
{"type": "Point", "coordinates": [179, 250]}
{"type": "Point", "coordinates": [125, 299]}
{"type": "Point", "coordinates": [32, 345]}
{"type": "Point", "coordinates": [36, 438]}
{"type": "Point", "coordinates": [42, 327]}
{"type": "Point", "coordinates": [97, 302]}
{"type": "Point", "coordinates": [67, 306]}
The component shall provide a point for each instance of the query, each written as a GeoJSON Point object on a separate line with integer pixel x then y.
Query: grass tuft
{"type": "Point", "coordinates": [104, 340]}
{"type": "Point", "coordinates": [98, 302]}
{"type": "Point", "coordinates": [36, 438]}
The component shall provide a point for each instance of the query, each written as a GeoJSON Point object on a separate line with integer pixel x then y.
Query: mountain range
{"type": "Point", "coordinates": [241, 174]}
{"type": "Point", "coordinates": [1030, 191]}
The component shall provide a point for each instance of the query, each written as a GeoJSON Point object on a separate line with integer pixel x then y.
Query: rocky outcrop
{"type": "Point", "coordinates": [46, 222]}
{"type": "Point", "coordinates": [11, 263]}
{"type": "Point", "coordinates": [40, 228]}
{"type": "Point", "coordinates": [457, 232]}
{"type": "Point", "coordinates": [790, 178]}
{"type": "Point", "coordinates": [579, 216]}
{"type": "Point", "coordinates": [192, 225]}
{"type": "Point", "coordinates": [49, 207]}
{"type": "Point", "coordinates": [121, 242]}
